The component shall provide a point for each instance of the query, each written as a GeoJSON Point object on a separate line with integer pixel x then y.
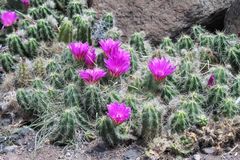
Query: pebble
{"type": "Point", "coordinates": [8, 149]}
{"type": "Point", "coordinates": [132, 154]}
{"type": "Point", "coordinates": [209, 150]}
{"type": "Point", "coordinates": [196, 157]}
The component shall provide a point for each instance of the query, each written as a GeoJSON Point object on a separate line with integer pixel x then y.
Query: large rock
{"type": "Point", "coordinates": [159, 18]}
{"type": "Point", "coordinates": [232, 19]}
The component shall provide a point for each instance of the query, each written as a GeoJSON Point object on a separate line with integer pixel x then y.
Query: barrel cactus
{"type": "Point", "coordinates": [7, 62]}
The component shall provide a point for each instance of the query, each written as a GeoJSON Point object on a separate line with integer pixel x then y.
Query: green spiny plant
{"type": "Point", "coordinates": [39, 102]}
{"type": "Point", "coordinates": [53, 66]}
{"type": "Point", "coordinates": [221, 74]}
{"type": "Point", "coordinates": [195, 96]}
{"type": "Point", "coordinates": [38, 83]}
{"type": "Point", "coordinates": [206, 40]}
{"type": "Point", "coordinates": [91, 13]}
{"type": "Point", "coordinates": [69, 73]}
{"type": "Point", "coordinates": [45, 30]}
{"type": "Point", "coordinates": [185, 42]}
{"type": "Point", "coordinates": [216, 94]}
{"type": "Point", "coordinates": [192, 109]}
{"type": "Point", "coordinates": [43, 11]}
{"type": "Point", "coordinates": [207, 56]}
{"type": "Point", "coordinates": [202, 120]}
{"type": "Point", "coordinates": [134, 60]}
{"type": "Point", "coordinates": [229, 108]}
{"type": "Point", "coordinates": [72, 96]}
{"type": "Point", "coordinates": [74, 7]}
{"type": "Point", "coordinates": [84, 31]}
{"type": "Point", "coordinates": [32, 31]}
{"type": "Point", "coordinates": [36, 3]}
{"type": "Point", "coordinates": [93, 101]}
{"type": "Point", "coordinates": [179, 121]}
{"type": "Point", "coordinates": [67, 57]}
{"type": "Point", "coordinates": [15, 45]}
{"type": "Point", "coordinates": [56, 80]}
{"type": "Point", "coordinates": [34, 13]}
{"type": "Point", "coordinates": [167, 42]}
{"type": "Point", "coordinates": [24, 99]}
{"type": "Point", "coordinates": [113, 33]}
{"type": "Point", "coordinates": [168, 92]}
{"type": "Point", "coordinates": [31, 47]}
{"type": "Point", "coordinates": [66, 31]}
{"type": "Point", "coordinates": [108, 20]}
{"type": "Point", "coordinates": [151, 122]}
{"type": "Point", "coordinates": [170, 51]}
{"type": "Point", "coordinates": [7, 62]}
{"type": "Point", "coordinates": [23, 74]}
{"type": "Point", "coordinates": [192, 83]}
{"type": "Point", "coordinates": [61, 4]}
{"type": "Point", "coordinates": [137, 42]}
{"type": "Point", "coordinates": [185, 68]}
{"type": "Point", "coordinates": [197, 30]}
{"type": "Point", "coordinates": [39, 67]}
{"type": "Point", "coordinates": [220, 43]}
{"type": "Point", "coordinates": [150, 83]}
{"type": "Point", "coordinates": [235, 88]}
{"type": "Point", "coordinates": [110, 133]}
{"type": "Point", "coordinates": [233, 57]}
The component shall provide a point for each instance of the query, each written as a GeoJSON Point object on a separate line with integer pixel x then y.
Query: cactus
{"type": "Point", "coordinates": [24, 99]}
{"type": "Point", "coordinates": [91, 13]}
{"type": "Point", "coordinates": [206, 40]}
{"type": "Point", "coordinates": [67, 57]}
{"type": "Point", "coordinates": [34, 13]}
{"type": "Point", "coordinates": [74, 7]}
{"type": "Point", "coordinates": [167, 42]}
{"type": "Point", "coordinates": [134, 60]}
{"type": "Point", "coordinates": [220, 43]}
{"type": "Point", "coordinates": [137, 42]}
{"type": "Point", "coordinates": [192, 109]}
{"type": "Point", "coordinates": [38, 67]}
{"type": "Point", "coordinates": [192, 83]}
{"type": "Point", "coordinates": [7, 62]}
{"type": "Point", "coordinates": [185, 42]}
{"type": "Point", "coordinates": [110, 133]}
{"type": "Point", "coordinates": [113, 33]}
{"type": "Point", "coordinates": [170, 51]}
{"type": "Point", "coordinates": [185, 68]}
{"type": "Point", "coordinates": [221, 74]}
{"type": "Point", "coordinates": [233, 57]}
{"type": "Point", "coordinates": [229, 108]}
{"type": "Point", "coordinates": [149, 83]}
{"type": "Point", "coordinates": [53, 66]}
{"type": "Point", "coordinates": [207, 56]}
{"type": "Point", "coordinates": [71, 96]}
{"type": "Point", "coordinates": [15, 45]}
{"type": "Point", "coordinates": [168, 92]}
{"type": "Point", "coordinates": [38, 83]}
{"type": "Point", "coordinates": [216, 94]}
{"type": "Point", "coordinates": [45, 30]}
{"type": "Point", "coordinates": [151, 123]}
{"type": "Point", "coordinates": [31, 47]}
{"type": "Point", "coordinates": [84, 31]}
{"type": "Point", "coordinates": [179, 121]}
{"type": "Point", "coordinates": [93, 101]}
{"type": "Point", "coordinates": [108, 20]}
{"type": "Point", "coordinates": [202, 120]}
{"type": "Point", "coordinates": [43, 11]}
{"type": "Point", "coordinates": [32, 31]}
{"type": "Point", "coordinates": [235, 88]}
{"type": "Point", "coordinates": [40, 102]}
{"type": "Point", "coordinates": [200, 99]}
{"type": "Point", "coordinates": [61, 4]}
{"type": "Point", "coordinates": [70, 74]}
{"type": "Point", "coordinates": [197, 30]}
{"type": "Point", "coordinates": [66, 31]}
{"type": "Point", "coordinates": [66, 129]}
{"type": "Point", "coordinates": [23, 74]}
{"type": "Point", "coordinates": [36, 3]}
{"type": "Point", "coordinates": [56, 80]}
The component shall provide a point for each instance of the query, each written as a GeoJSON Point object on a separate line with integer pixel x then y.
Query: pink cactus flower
{"type": "Point", "coordinates": [90, 58]}
{"type": "Point", "coordinates": [26, 2]}
{"type": "Point", "coordinates": [161, 68]}
{"type": "Point", "coordinates": [118, 63]}
{"type": "Point", "coordinates": [78, 50]}
{"type": "Point", "coordinates": [118, 112]}
{"type": "Point", "coordinates": [92, 76]}
{"type": "Point", "coordinates": [109, 46]}
{"type": "Point", "coordinates": [211, 81]}
{"type": "Point", "coordinates": [8, 18]}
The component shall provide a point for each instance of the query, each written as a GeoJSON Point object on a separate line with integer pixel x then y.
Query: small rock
{"type": "Point", "coordinates": [196, 157]}
{"type": "Point", "coordinates": [68, 154]}
{"type": "Point", "coordinates": [3, 139]}
{"type": "Point", "coordinates": [209, 150]}
{"type": "Point", "coordinates": [24, 131]}
{"type": "Point", "coordinates": [8, 149]}
{"type": "Point", "coordinates": [132, 154]}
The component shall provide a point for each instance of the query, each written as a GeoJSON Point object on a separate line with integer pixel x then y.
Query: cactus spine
{"type": "Point", "coordinates": [108, 20]}
{"type": "Point", "coordinates": [32, 31]}
{"type": "Point", "coordinates": [23, 73]}
{"type": "Point", "coordinates": [7, 62]}
{"type": "Point", "coordinates": [38, 67]}
{"type": "Point", "coordinates": [229, 108]}
{"type": "Point", "coordinates": [15, 45]}
{"type": "Point", "coordinates": [56, 80]}
{"type": "Point", "coordinates": [192, 83]}
{"type": "Point", "coordinates": [233, 57]}
{"type": "Point", "coordinates": [37, 83]}
{"type": "Point", "coordinates": [45, 30]}
{"type": "Point", "coordinates": [151, 123]}
{"type": "Point", "coordinates": [24, 99]}
{"type": "Point", "coordinates": [192, 108]}
{"type": "Point", "coordinates": [40, 102]}
{"type": "Point", "coordinates": [74, 7]}
{"type": "Point", "coordinates": [168, 92]}
{"type": "Point", "coordinates": [179, 121]}
{"type": "Point", "coordinates": [71, 96]}
{"type": "Point", "coordinates": [221, 74]}
{"type": "Point", "coordinates": [206, 40]}
{"type": "Point", "coordinates": [167, 42]}
{"type": "Point", "coordinates": [53, 66]}
{"type": "Point", "coordinates": [197, 31]}
{"type": "Point", "coordinates": [185, 42]}
{"type": "Point", "coordinates": [31, 47]}
{"type": "Point", "coordinates": [220, 43]}
{"type": "Point", "coordinates": [235, 89]}
{"type": "Point", "coordinates": [137, 42]}
{"type": "Point", "coordinates": [84, 31]}
{"type": "Point", "coordinates": [66, 31]}
{"type": "Point", "coordinates": [216, 94]}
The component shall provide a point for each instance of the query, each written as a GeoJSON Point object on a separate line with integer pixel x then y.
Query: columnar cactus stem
{"type": "Point", "coordinates": [192, 83]}
{"type": "Point", "coordinates": [53, 66]}
{"type": "Point", "coordinates": [185, 42]}
{"type": "Point", "coordinates": [15, 45]}
{"type": "Point", "coordinates": [229, 108]}
{"type": "Point", "coordinates": [186, 68]}
{"type": "Point", "coordinates": [45, 30]}
{"type": "Point", "coordinates": [233, 57]}
{"type": "Point", "coordinates": [74, 7]}
{"type": "Point", "coordinates": [235, 88]}
{"type": "Point", "coordinates": [44, 11]}
{"type": "Point", "coordinates": [7, 62]}
{"type": "Point", "coordinates": [168, 92]}
{"type": "Point", "coordinates": [179, 121]}
{"type": "Point", "coordinates": [23, 74]}
{"type": "Point", "coordinates": [206, 40]}
{"type": "Point", "coordinates": [56, 80]}
{"type": "Point", "coordinates": [167, 42]}
{"type": "Point", "coordinates": [151, 123]}
{"type": "Point", "coordinates": [70, 74]}
{"type": "Point", "coordinates": [24, 99]}
{"type": "Point", "coordinates": [84, 31]}
{"type": "Point", "coordinates": [36, 3]}
{"type": "Point", "coordinates": [221, 74]}
{"type": "Point", "coordinates": [39, 67]}
{"type": "Point", "coordinates": [34, 13]}
{"type": "Point", "coordinates": [31, 47]}
{"type": "Point", "coordinates": [108, 20]}
{"type": "Point", "coordinates": [40, 102]}
{"type": "Point", "coordinates": [72, 96]}
{"type": "Point", "coordinates": [32, 31]}
{"type": "Point", "coordinates": [66, 31]}
{"type": "Point", "coordinates": [38, 83]}
{"type": "Point", "coordinates": [220, 43]}
{"type": "Point", "coordinates": [137, 42]}
{"type": "Point", "coordinates": [197, 30]}
{"type": "Point", "coordinates": [217, 94]}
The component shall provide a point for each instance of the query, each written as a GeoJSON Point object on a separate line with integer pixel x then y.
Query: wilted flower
{"type": "Point", "coordinates": [118, 112]}
{"type": "Point", "coordinates": [118, 63]}
{"type": "Point", "coordinates": [8, 18]}
{"type": "Point", "coordinates": [78, 49]}
{"type": "Point", "coordinates": [90, 57]}
{"type": "Point", "coordinates": [161, 68]}
{"type": "Point", "coordinates": [26, 2]}
{"type": "Point", "coordinates": [92, 76]}
{"type": "Point", "coordinates": [109, 46]}
{"type": "Point", "coordinates": [211, 81]}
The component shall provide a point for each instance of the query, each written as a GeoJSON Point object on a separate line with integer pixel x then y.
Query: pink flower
{"type": "Point", "coordinates": [118, 63]}
{"type": "Point", "coordinates": [161, 68]}
{"type": "Point", "coordinates": [211, 81]}
{"type": "Point", "coordinates": [90, 58]}
{"type": "Point", "coordinates": [118, 112]}
{"type": "Point", "coordinates": [92, 76]}
{"type": "Point", "coordinates": [78, 49]}
{"type": "Point", "coordinates": [8, 18]}
{"type": "Point", "coordinates": [109, 46]}
{"type": "Point", "coordinates": [26, 2]}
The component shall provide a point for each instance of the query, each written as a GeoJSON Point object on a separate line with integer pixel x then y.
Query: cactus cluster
{"type": "Point", "coordinates": [72, 73]}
